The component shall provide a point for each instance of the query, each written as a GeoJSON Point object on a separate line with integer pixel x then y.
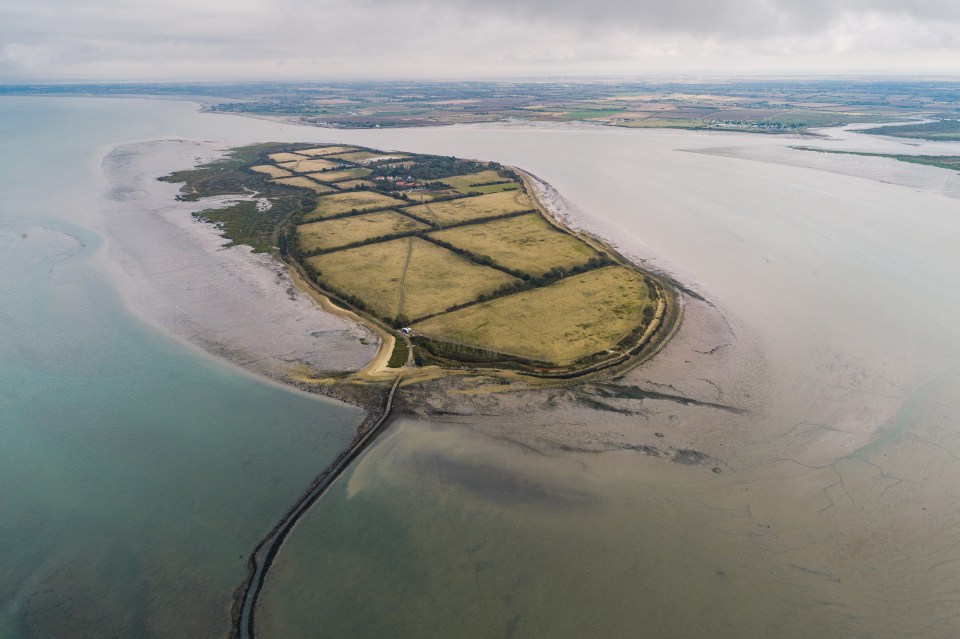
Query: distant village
{"type": "Point", "coordinates": [754, 126]}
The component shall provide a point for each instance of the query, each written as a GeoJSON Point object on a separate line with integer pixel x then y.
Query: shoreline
{"type": "Point", "coordinates": [343, 382]}
{"type": "Point", "coordinates": [177, 274]}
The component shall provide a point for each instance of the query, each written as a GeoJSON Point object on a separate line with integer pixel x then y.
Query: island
{"type": "Point", "coordinates": [455, 264]}
{"type": "Point", "coordinates": [940, 130]}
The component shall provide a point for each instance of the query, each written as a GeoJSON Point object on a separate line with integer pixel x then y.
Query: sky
{"type": "Point", "coordinates": [227, 40]}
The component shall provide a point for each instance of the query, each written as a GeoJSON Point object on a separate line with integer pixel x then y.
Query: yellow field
{"type": "Point", "coordinates": [578, 316]}
{"type": "Point", "coordinates": [472, 208]}
{"type": "Point", "coordinates": [308, 166]}
{"type": "Point", "coordinates": [427, 196]}
{"type": "Point", "coordinates": [362, 157]}
{"type": "Point", "coordinates": [526, 243]}
{"type": "Point", "coordinates": [463, 183]}
{"type": "Point", "coordinates": [285, 157]}
{"type": "Point", "coordinates": [435, 278]}
{"type": "Point", "coordinates": [347, 201]}
{"type": "Point", "coordinates": [271, 170]}
{"type": "Point", "coordinates": [304, 183]}
{"type": "Point", "coordinates": [352, 184]}
{"type": "Point", "coordinates": [326, 150]}
{"type": "Point", "coordinates": [347, 174]}
{"type": "Point", "coordinates": [347, 230]}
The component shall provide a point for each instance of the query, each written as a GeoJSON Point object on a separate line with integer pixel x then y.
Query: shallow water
{"type": "Point", "coordinates": [136, 473]}
{"type": "Point", "coordinates": [441, 532]}
{"type": "Point", "coordinates": [835, 512]}
{"type": "Point", "coordinates": [836, 507]}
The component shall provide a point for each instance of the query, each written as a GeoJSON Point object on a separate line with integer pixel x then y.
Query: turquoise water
{"type": "Point", "coordinates": [136, 473]}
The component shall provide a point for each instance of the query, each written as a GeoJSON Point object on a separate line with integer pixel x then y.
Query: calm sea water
{"type": "Point", "coordinates": [137, 474]}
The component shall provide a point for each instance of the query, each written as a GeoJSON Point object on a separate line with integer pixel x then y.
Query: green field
{"type": "Point", "coordinates": [434, 279]}
{"type": "Point", "coordinates": [526, 243]}
{"type": "Point", "coordinates": [337, 203]}
{"type": "Point", "coordinates": [578, 316]}
{"type": "Point", "coordinates": [590, 114]}
{"type": "Point", "coordinates": [815, 118]}
{"type": "Point", "coordinates": [473, 208]}
{"type": "Point", "coordinates": [477, 182]}
{"type": "Point", "coordinates": [661, 123]}
{"type": "Point", "coordinates": [326, 150]}
{"type": "Point", "coordinates": [344, 231]}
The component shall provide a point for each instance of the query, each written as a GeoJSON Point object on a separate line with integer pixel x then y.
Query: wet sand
{"type": "Point", "coordinates": [180, 276]}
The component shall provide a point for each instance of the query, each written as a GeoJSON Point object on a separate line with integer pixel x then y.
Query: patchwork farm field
{"type": "Point", "coordinates": [408, 276]}
{"type": "Point", "coordinates": [326, 150]}
{"type": "Point", "coordinates": [355, 184]}
{"type": "Point", "coordinates": [526, 243]}
{"type": "Point", "coordinates": [305, 183]}
{"type": "Point", "coordinates": [286, 157]}
{"type": "Point", "coordinates": [366, 156]}
{"type": "Point", "coordinates": [360, 201]}
{"type": "Point", "coordinates": [482, 182]}
{"type": "Point", "coordinates": [345, 231]}
{"type": "Point", "coordinates": [307, 165]}
{"type": "Point", "coordinates": [457, 254]}
{"type": "Point", "coordinates": [419, 197]}
{"type": "Point", "coordinates": [559, 324]}
{"type": "Point", "coordinates": [336, 176]}
{"type": "Point", "coordinates": [474, 208]}
{"type": "Point", "coordinates": [272, 170]}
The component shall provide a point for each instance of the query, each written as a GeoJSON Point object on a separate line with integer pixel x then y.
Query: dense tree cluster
{"type": "Point", "coordinates": [432, 167]}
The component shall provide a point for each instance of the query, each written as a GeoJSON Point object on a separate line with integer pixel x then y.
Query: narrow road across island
{"type": "Point", "coordinates": [244, 622]}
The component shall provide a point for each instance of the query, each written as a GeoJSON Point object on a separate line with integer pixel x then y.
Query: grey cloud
{"type": "Point", "coordinates": [159, 39]}
{"type": "Point", "coordinates": [750, 19]}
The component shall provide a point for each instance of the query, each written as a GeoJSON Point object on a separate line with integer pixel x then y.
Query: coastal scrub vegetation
{"type": "Point", "coordinates": [945, 129]}
{"type": "Point", "coordinates": [950, 162]}
{"type": "Point", "coordinates": [254, 220]}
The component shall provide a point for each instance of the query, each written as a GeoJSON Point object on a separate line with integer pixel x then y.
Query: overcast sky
{"type": "Point", "coordinates": [126, 40]}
